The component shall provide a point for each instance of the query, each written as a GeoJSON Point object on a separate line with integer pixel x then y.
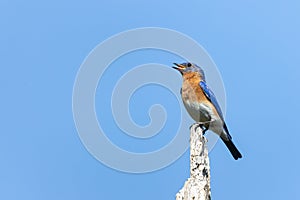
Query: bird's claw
{"type": "Point", "coordinates": [201, 125]}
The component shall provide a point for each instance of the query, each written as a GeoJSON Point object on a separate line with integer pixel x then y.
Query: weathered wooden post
{"type": "Point", "coordinates": [197, 186]}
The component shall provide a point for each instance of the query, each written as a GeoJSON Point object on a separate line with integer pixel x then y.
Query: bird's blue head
{"type": "Point", "coordinates": [189, 68]}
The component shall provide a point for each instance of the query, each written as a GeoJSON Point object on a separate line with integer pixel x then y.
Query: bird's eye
{"type": "Point", "coordinates": [189, 64]}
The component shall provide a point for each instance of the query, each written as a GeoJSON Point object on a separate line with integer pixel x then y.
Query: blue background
{"type": "Point", "coordinates": [255, 45]}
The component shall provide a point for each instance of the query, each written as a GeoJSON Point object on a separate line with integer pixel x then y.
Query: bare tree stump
{"type": "Point", "coordinates": [197, 186]}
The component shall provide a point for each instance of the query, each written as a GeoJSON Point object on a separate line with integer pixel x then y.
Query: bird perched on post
{"type": "Point", "coordinates": [202, 105]}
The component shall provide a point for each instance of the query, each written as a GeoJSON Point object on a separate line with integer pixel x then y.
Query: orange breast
{"type": "Point", "coordinates": [190, 88]}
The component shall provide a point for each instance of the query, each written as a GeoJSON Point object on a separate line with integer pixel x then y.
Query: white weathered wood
{"type": "Point", "coordinates": [197, 187]}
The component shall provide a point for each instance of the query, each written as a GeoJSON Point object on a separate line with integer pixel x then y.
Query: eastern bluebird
{"type": "Point", "coordinates": [202, 105]}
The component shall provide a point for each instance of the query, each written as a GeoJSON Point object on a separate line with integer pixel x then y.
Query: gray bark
{"type": "Point", "coordinates": [197, 186]}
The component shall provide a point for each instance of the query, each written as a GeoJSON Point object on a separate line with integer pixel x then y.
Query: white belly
{"type": "Point", "coordinates": [203, 113]}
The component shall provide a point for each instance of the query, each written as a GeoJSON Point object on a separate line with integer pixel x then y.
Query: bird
{"type": "Point", "coordinates": [201, 104]}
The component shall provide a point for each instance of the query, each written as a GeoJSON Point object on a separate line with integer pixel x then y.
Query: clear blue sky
{"type": "Point", "coordinates": [255, 45]}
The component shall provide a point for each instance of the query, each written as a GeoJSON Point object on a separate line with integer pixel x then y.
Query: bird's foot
{"type": "Point", "coordinates": [201, 125]}
{"type": "Point", "coordinates": [204, 129]}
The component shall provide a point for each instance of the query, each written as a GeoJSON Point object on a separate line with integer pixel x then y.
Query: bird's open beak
{"type": "Point", "coordinates": [179, 67]}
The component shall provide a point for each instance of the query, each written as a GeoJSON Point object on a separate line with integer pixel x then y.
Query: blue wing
{"type": "Point", "coordinates": [211, 97]}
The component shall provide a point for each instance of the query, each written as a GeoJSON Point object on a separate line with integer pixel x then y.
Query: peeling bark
{"type": "Point", "coordinates": [197, 186]}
